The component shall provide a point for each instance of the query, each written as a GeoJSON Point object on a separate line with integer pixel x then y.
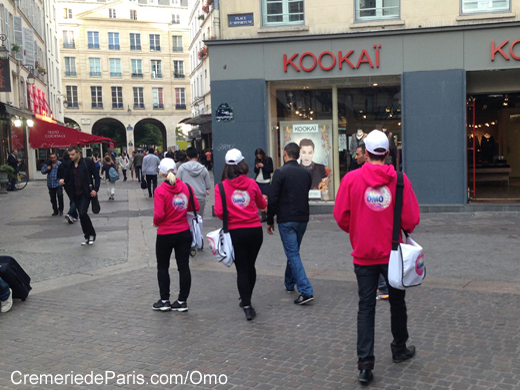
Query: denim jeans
{"type": "Point", "coordinates": [4, 290]}
{"type": "Point", "coordinates": [72, 209]}
{"type": "Point", "coordinates": [368, 279]}
{"type": "Point", "coordinates": [291, 234]}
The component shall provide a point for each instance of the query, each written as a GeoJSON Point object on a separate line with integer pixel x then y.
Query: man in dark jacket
{"type": "Point", "coordinates": [289, 201]}
{"type": "Point", "coordinates": [79, 179]}
{"type": "Point", "coordinates": [13, 162]}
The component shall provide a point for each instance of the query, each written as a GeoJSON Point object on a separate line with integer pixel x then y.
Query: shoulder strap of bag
{"type": "Point", "coordinates": [192, 201]}
{"type": "Point", "coordinates": [397, 210]}
{"type": "Point", "coordinates": [224, 207]}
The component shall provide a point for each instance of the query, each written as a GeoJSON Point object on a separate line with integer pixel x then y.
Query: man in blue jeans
{"type": "Point", "coordinates": [289, 201]}
{"type": "Point", "coordinates": [6, 297]}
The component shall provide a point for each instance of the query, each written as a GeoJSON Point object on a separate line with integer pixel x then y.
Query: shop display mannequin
{"type": "Point", "coordinates": [487, 147]}
{"type": "Point", "coordinates": [356, 141]}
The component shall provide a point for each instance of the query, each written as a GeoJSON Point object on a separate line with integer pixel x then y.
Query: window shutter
{"type": "Point", "coordinates": [28, 47]}
{"type": "Point", "coordinates": [18, 36]}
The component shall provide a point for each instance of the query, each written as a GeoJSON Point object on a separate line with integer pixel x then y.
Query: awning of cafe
{"type": "Point", "coordinates": [47, 135]}
{"type": "Point", "coordinates": [198, 120]}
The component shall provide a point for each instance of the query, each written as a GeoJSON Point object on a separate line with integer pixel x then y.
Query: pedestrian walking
{"type": "Point", "coordinates": [97, 160]}
{"type": "Point", "coordinates": [111, 185]}
{"type": "Point", "coordinates": [171, 204]}
{"type": "Point", "coordinates": [138, 163]}
{"type": "Point", "coordinates": [124, 163]}
{"type": "Point", "coordinates": [197, 176]}
{"type": "Point", "coordinates": [181, 159]}
{"type": "Point", "coordinates": [72, 215]}
{"type": "Point", "coordinates": [50, 168]}
{"type": "Point", "coordinates": [131, 165]}
{"type": "Point", "coordinates": [150, 164]}
{"type": "Point", "coordinates": [263, 170]}
{"type": "Point", "coordinates": [209, 159]}
{"type": "Point", "coordinates": [243, 199]}
{"type": "Point", "coordinates": [13, 162]}
{"type": "Point", "coordinates": [289, 200]}
{"type": "Point", "coordinates": [365, 209]}
{"type": "Point", "coordinates": [83, 181]}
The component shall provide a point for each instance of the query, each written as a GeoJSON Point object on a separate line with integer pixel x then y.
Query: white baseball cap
{"type": "Point", "coordinates": [167, 164]}
{"type": "Point", "coordinates": [376, 139]}
{"type": "Point", "coordinates": [234, 157]}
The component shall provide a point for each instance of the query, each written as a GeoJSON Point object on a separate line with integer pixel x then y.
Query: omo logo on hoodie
{"type": "Point", "coordinates": [378, 199]}
{"type": "Point", "coordinates": [180, 202]}
{"type": "Point", "coordinates": [240, 198]}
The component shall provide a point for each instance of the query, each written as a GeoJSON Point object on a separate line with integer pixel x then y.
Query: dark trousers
{"type": "Point", "coordinates": [124, 174]}
{"type": "Point", "coordinates": [247, 243]}
{"type": "Point", "coordinates": [149, 180]}
{"type": "Point", "coordinates": [165, 244]}
{"type": "Point", "coordinates": [138, 173]}
{"type": "Point", "coordinates": [13, 183]}
{"type": "Point", "coordinates": [82, 203]}
{"type": "Point", "coordinates": [56, 193]}
{"type": "Point", "coordinates": [368, 278]}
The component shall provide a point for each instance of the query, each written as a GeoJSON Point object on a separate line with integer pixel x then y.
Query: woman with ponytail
{"type": "Point", "coordinates": [171, 204]}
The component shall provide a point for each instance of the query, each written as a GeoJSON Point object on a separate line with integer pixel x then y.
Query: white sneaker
{"type": "Point", "coordinates": [8, 303]}
{"type": "Point", "coordinates": [85, 243]}
{"type": "Point", "coordinates": [91, 240]}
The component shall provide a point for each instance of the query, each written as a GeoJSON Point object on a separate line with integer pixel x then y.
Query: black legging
{"type": "Point", "coordinates": [247, 243]}
{"type": "Point", "coordinates": [165, 244]}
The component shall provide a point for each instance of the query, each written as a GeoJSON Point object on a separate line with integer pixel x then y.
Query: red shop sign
{"type": "Point", "coordinates": [498, 49]}
{"type": "Point", "coordinates": [328, 60]}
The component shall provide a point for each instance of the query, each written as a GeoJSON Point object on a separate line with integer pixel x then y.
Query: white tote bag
{"type": "Point", "coordinates": [195, 222]}
{"type": "Point", "coordinates": [219, 240]}
{"type": "Point", "coordinates": [406, 267]}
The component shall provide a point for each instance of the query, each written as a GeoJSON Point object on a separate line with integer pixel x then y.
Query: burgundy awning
{"type": "Point", "coordinates": [46, 135]}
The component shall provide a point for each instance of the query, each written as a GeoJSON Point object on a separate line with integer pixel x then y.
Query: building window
{"type": "Point", "coordinates": [93, 40]}
{"type": "Point", "coordinates": [180, 99]}
{"type": "Point", "coordinates": [155, 42]}
{"type": "Point", "coordinates": [68, 40]}
{"type": "Point", "coordinates": [176, 19]}
{"type": "Point", "coordinates": [70, 66]}
{"type": "Point", "coordinates": [95, 67]}
{"type": "Point", "coordinates": [115, 67]}
{"type": "Point", "coordinates": [113, 41]}
{"type": "Point", "coordinates": [138, 98]}
{"type": "Point", "coordinates": [111, 13]}
{"type": "Point", "coordinates": [67, 13]}
{"type": "Point", "coordinates": [156, 69]}
{"type": "Point", "coordinates": [133, 14]}
{"type": "Point", "coordinates": [178, 69]}
{"type": "Point", "coordinates": [137, 69]}
{"type": "Point", "coordinates": [97, 98]}
{"type": "Point", "coordinates": [177, 43]}
{"type": "Point", "coordinates": [377, 9]}
{"type": "Point", "coordinates": [117, 98]}
{"type": "Point", "coordinates": [72, 96]}
{"type": "Point", "coordinates": [158, 103]}
{"type": "Point", "coordinates": [135, 41]}
{"type": "Point", "coordinates": [481, 6]}
{"type": "Point", "coordinates": [281, 12]}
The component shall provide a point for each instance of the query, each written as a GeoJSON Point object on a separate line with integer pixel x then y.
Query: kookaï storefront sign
{"type": "Point", "coordinates": [499, 49]}
{"type": "Point", "coordinates": [328, 60]}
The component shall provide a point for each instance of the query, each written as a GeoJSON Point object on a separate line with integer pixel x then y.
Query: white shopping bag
{"type": "Point", "coordinates": [406, 267]}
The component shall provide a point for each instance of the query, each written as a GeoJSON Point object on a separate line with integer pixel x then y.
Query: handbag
{"type": "Point", "coordinates": [219, 240]}
{"type": "Point", "coordinates": [96, 207]}
{"type": "Point", "coordinates": [144, 185]}
{"type": "Point", "coordinates": [406, 267]}
{"type": "Point", "coordinates": [195, 220]}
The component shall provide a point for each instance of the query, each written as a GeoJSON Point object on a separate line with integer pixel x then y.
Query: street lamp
{"type": "Point", "coordinates": [30, 78]}
{"type": "Point", "coordinates": [4, 51]}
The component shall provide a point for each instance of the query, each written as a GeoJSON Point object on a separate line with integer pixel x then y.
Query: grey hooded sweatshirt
{"type": "Point", "coordinates": [197, 176]}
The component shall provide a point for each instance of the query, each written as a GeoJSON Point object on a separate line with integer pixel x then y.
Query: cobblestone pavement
{"type": "Point", "coordinates": [89, 310]}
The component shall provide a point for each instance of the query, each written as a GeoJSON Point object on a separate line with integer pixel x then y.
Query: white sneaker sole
{"type": "Point", "coordinates": [162, 309]}
{"type": "Point", "coordinates": [180, 309]}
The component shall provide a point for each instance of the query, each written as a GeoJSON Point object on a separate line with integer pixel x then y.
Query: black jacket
{"type": "Point", "coordinates": [267, 169]}
{"type": "Point", "coordinates": [87, 170]}
{"type": "Point", "coordinates": [12, 161]}
{"type": "Point", "coordinates": [289, 194]}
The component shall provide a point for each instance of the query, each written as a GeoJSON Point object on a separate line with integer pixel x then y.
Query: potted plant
{"type": "Point", "coordinates": [42, 71]}
{"type": "Point", "coordinates": [205, 8]}
{"type": "Point", "coordinates": [203, 53]}
{"type": "Point", "coordinates": [6, 174]}
{"type": "Point", "coordinates": [15, 48]}
{"type": "Point", "coordinates": [201, 17]}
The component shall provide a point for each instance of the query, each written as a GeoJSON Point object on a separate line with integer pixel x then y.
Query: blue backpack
{"type": "Point", "coordinates": [112, 174]}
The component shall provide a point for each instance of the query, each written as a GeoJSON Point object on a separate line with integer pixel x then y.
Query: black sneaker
{"type": "Point", "coordinates": [162, 306]}
{"type": "Point", "coordinates": [249, 312]}
{"type": "Point", "coordinates": [176, 306]}
{"type": "Point", "coordinates": [402, 356]}
{"type": "Point", "coordinates": [303, 299]}
{"type": "Point", "coordinates": [54, 214]}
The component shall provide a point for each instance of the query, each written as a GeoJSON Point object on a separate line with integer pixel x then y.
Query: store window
{"type": "Point", "coordinates": [484, 6]}
{"type": "Point", "coordinates": [303, 112]}
{"type": "Point", "coordinates": [376, 9]}
{"type": "Point", "coordinates": [282, 12]}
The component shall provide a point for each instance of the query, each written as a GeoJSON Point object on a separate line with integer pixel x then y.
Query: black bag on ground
{"type": "Point", "coordinates": [14, 275]}
{"type": "Point", "coordinates": [144, 185]}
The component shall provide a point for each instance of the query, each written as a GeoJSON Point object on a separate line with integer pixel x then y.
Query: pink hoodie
{"type": "Point", "coordinates": [170, 205]}
{"type": "Point", "coordinates": [243, 198]}
{"type": "Point", "coordinates": [365, 209]}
